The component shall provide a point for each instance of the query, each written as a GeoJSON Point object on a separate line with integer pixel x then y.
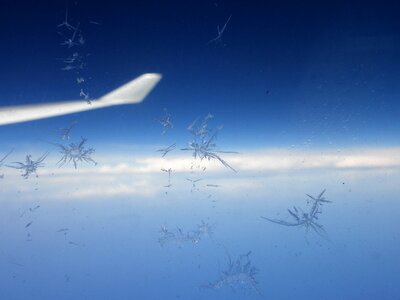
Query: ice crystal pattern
{"type": "Point", "coordinates": [166, 122]}
{"type": "Point", "coordinates": [179, 237]}
{"type": "Point", "coordinates": [2, 161]}
{"type": "Point", "coordinates": [75, 153]}
{"type": "Point", "coordinates": [30, 166]}
{"type": "Point", "coordinates": [309, 219]}
{"type": "Point", "coordinates": [168, 171]}
{"type": "Point", "coordinates": [194, 186]}
{"type": "Point", "coordinates": [203, 144]}
{"type": "Point", "coordinates": [66, 132]}
{"type": "Point", "coordinates": [238, 275]}
{"type": "Point", "coordinates": [166, 150]}
{"type": "Point", "coordinates": [218, 38]}
{"type": "Point", "coordinates": [204, 230]}
{"type": "Point", "coordinates": [72, 39]}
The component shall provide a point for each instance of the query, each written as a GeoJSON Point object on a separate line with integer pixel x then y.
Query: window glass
{"type": "Point", "coordinates": [199, 149]}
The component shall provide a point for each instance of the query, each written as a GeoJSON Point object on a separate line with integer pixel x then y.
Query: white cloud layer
{"type": "Point", "coordinates": [130, 175]}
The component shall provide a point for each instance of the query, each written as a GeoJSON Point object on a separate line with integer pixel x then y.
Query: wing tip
{"type": "Point", "coordinates": [133, 91]}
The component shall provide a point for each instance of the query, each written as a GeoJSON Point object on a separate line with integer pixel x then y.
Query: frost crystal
{"type": "Point", "coordinates": [204, 230]}
{"type": "Point", "coordinates": [76, 153]}
{"type": "Point", "coordinates": [307, 220]}
{"type": "Point", "coordinates": [65, 132]}
{"type": "Point", "coordinates": [194, 187]}
{"type": "Point", "coordinates": [165, 121]}
{"type": "Point", "coordinates": [70, 42]}
{"type": "Point", "coordinates": [30, 166]}
{"type": "Point", "coordinates": [65, 23]}
{"type": "Point", "coordinates": [72, 38]}
{"type": "Point", "coordinates": [169, 171]}
{"type": "Point", "coordinates": [179, 237]}
{"type": "Point", "coordinates": [167, 149]}
{"type": "Point", "coordinates": [74, 58]}
{"type": "Point", "coordinates": [239, 274]}
{"type": "Point", "coordinates": [2, 161]}
{"type": "Point", "coordinates": [4, 157]}
{"type": "Point", "coordinates": [203, 144]}
{"type": "Point", "coordinates": [218, 38]}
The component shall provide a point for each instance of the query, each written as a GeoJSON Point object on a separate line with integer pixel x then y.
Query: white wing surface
{"type": "Point", "coordinates": [132, 92]}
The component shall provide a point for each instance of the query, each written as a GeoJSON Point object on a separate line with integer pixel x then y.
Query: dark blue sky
{"type": "Point", "coordinates": [287, 72]}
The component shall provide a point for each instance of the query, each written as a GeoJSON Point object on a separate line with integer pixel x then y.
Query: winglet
{"type": "Point", "coordinates": [132, 92]}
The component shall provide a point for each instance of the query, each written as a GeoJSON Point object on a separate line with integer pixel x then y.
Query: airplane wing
{"type": "Point", "coordinates": [132, 92]}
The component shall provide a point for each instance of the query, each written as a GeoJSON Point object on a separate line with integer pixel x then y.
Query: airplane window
{"type": "Point", "coordinates": [199, 150]}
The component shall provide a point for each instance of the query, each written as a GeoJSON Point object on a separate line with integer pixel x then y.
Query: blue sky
{"type": "Point", "coordinates": [285, 74]}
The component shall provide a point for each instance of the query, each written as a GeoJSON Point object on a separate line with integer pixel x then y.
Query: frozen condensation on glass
{"type": "Point", "coordinates": [218, 39]}
{"type": "Point", "coordinates": [30, 166]}
{"type": "Point", "coordinates": [70, 42]}
{"type": "Point", "coordinates": [74, 62]}
{"type": "Point", "coordinates": [2, 161]}
{"type": "Point", "coordinates": [203, 144]}
{"type": "Point", "coordinates": [169, 176]}
{"type": "Point", "coordinates": [165, 121]}
{"type": "Point", "coordinates": [75, 58]}
{"type": "Point", "coordinates": [65, 23]}
{"type": "Point", "coordinates": [81, 40]}
{"type": "Point", "coordinates": [166, 150]}
{"type": "Point", "coordinates": [76, 152]}
{"type": "Point", "coordinates": [73, 38]}
{"type": "Point", "coordinates": [85, 95]}
{"type": "Point", "coordinates": [31, 209]}
{"type": "Point", "coordinates": [28, 224]}
{"type": "Point", "coordinates": [204, 230]}
{"type": "Point", "coordinates": [193, 181]}
{"type": "Point", "coordinates": [65, 132]}
{"type": "Point", "coordinates": [179, 237]}
{"type": "Point", "coordinates": [307, 220]}
{"type": "Point", "coordinates": [72, 67]}
{"type": "Point", "coordinates": [213, 185]}
{"type": "Point", "coordinates": [238, 275]}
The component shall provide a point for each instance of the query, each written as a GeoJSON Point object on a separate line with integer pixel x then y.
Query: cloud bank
{"type": "Point", "coordinates": [133, 175]}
